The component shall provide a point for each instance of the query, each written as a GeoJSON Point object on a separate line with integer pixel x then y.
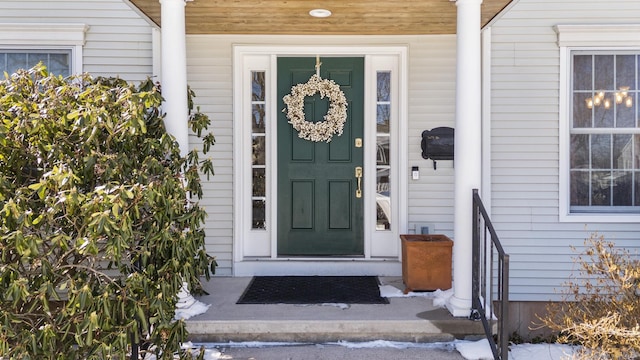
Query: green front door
{"type": "Point", "coordinates": [319, 213]}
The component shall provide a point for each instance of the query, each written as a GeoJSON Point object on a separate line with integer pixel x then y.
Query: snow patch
{"type": "Point", "coordinates": [480, 350]}
{"type": "Point", "coordinates": [541, 352]}
{"type": "Point", "coordinates": [477, 350]}
{"type": "Point", "coordinates": [338, 305]}
{"type": "Point", "coordinates": [390, 291]}
{"type": "Point", "coordinates": [187, 306]}
{"type": "Point", "coordinates": [440, 297]}
{"type": "Point", "coordinates": [209, 354]}
{"type": "Point", "coordinates": [394, 344]}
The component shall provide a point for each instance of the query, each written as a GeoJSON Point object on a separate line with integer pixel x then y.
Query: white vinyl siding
{"type": "Point", "coordinates": [431, 93]}
{"type": "Point", "coordinates": [118, 41]}
{"type": "Point", "coordinates": [525, 143]}
{"type": "Point", "coordinates": [210, 74]}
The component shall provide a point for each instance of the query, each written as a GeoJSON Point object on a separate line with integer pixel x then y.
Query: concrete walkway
{"type": "Point", "coordinates": [412, 319]}
{"type": "Point", "coordinates": [333, 352]}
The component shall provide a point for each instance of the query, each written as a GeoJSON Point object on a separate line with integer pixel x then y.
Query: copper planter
{"type": "Point", "coordinates": [426, 262]}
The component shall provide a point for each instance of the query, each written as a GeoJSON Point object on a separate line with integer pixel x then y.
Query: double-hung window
{"type": "Point", "coordinates": [57, 61]}
{"type": "Point", "coordinates": [604, 132]}
{"type": "Point", "coordinates": [600, 124]}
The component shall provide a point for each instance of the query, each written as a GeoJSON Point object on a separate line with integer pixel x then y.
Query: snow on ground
{"type": "Point", "coordinates": [187, 306]}
{"type": "Point", "coordinates": [480, 350]}
{"type": "Point", "coordinates": [541, 351]}
{"type": "Point", "coordinates": [440, 298]}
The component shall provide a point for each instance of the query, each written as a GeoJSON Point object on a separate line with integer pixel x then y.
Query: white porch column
{"type": "Point", "coordinates": [176, 108]}
{"type": "Point", "coordinates": [174, 71]}
{"type": "Point", "coordinates": [468, 146]}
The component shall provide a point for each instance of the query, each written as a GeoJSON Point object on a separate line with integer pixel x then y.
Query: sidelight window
{"type": "Point", "coordinates": [383, 159]}
{"type": "Point", "coordinates": [258, 150]}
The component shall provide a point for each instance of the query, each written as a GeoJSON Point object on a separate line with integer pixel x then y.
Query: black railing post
{"type": "Point", "coordinates": [134, 347]}
{"type": "Point", "coordinates": [482, 279]}
{"type": "Point", "coordinates": [475, 233]}
{"type": "Point", "coordinates": [475, 261]}
{"type": "Point", "coordinates": [504, 313]}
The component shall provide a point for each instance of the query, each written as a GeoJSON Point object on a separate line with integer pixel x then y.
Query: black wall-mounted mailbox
{"type": "Point", "coordinates": [437, 144]}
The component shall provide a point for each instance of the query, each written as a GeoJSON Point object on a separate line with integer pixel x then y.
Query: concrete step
{"type": "Point", "coordinates": [403, 319]}
{"type": "Point", "coordinates": [320, 331]}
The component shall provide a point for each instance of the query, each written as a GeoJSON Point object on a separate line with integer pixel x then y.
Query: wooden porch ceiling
{"type": "Point", "coordinates": [291, 17]}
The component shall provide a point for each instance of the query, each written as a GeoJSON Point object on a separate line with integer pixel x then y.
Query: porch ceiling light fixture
{"type": "Point", "coordinates": [320, 13]}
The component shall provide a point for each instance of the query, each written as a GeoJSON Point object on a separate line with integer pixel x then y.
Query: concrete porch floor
{"type": "Point", "coordinates": [412, 319]}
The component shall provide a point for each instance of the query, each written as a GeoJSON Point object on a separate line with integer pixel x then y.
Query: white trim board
{"type": "Point", "coordinates": [593, 38]}
{"type": "Point", "coordinates": [46, 36]}
{"type": "Point", "coordinates": [598, 35]}
{"type": "Point", "coordinates": [38, 34]}
{"type": "Point", "coordinates": [312, 267]}
{"type": "Point", "coordinates": [255, 251]}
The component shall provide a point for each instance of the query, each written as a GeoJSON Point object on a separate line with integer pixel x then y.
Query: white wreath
{"type": "Point", "coordinates": [333, 120]}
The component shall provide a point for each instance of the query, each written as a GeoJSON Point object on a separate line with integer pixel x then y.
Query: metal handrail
{"type": "Point", "coordinates": [483, 275]}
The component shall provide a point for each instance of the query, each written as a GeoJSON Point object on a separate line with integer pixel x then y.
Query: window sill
{"type": "Point", "coordinates": [599, 218]}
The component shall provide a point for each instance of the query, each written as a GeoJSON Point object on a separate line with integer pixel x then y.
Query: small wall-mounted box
{"type": "Point", "coordinates": [438, 144]}
{"type": "Point", "coordinates": [421, 228]}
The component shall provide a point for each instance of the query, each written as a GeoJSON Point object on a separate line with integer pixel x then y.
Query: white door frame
{"type": "Point", "coordinates": [255, 251]}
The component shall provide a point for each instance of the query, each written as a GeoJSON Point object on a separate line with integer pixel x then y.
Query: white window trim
{"type": "Point", "coordinates": [37, 36]}
{"type": "Point", "coordinates": [255, 257]}
{"type": "Point", "coordinates": [591, 38]}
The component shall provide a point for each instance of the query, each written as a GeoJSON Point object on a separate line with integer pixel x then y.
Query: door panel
{"type": "Point", "coordinates": [302, 200]}
{"type": "Point", "coordinates": [340, 193]}
{"type": "Point", "coordinates": [318, 211]}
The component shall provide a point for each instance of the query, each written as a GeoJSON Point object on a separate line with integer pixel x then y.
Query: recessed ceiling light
{"type": "Point", "coordinates": [320, 13]}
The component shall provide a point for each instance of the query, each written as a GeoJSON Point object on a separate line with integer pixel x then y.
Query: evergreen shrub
{"type": "Point", "coordinates": [99, 219]}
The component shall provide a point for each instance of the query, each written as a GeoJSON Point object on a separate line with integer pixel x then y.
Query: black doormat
{"type": "Point", "coordinates": [313, 290]}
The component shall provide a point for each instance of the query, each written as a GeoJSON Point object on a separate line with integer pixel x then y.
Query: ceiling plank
{"type": "Point", "coordinates": [290, 17]}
